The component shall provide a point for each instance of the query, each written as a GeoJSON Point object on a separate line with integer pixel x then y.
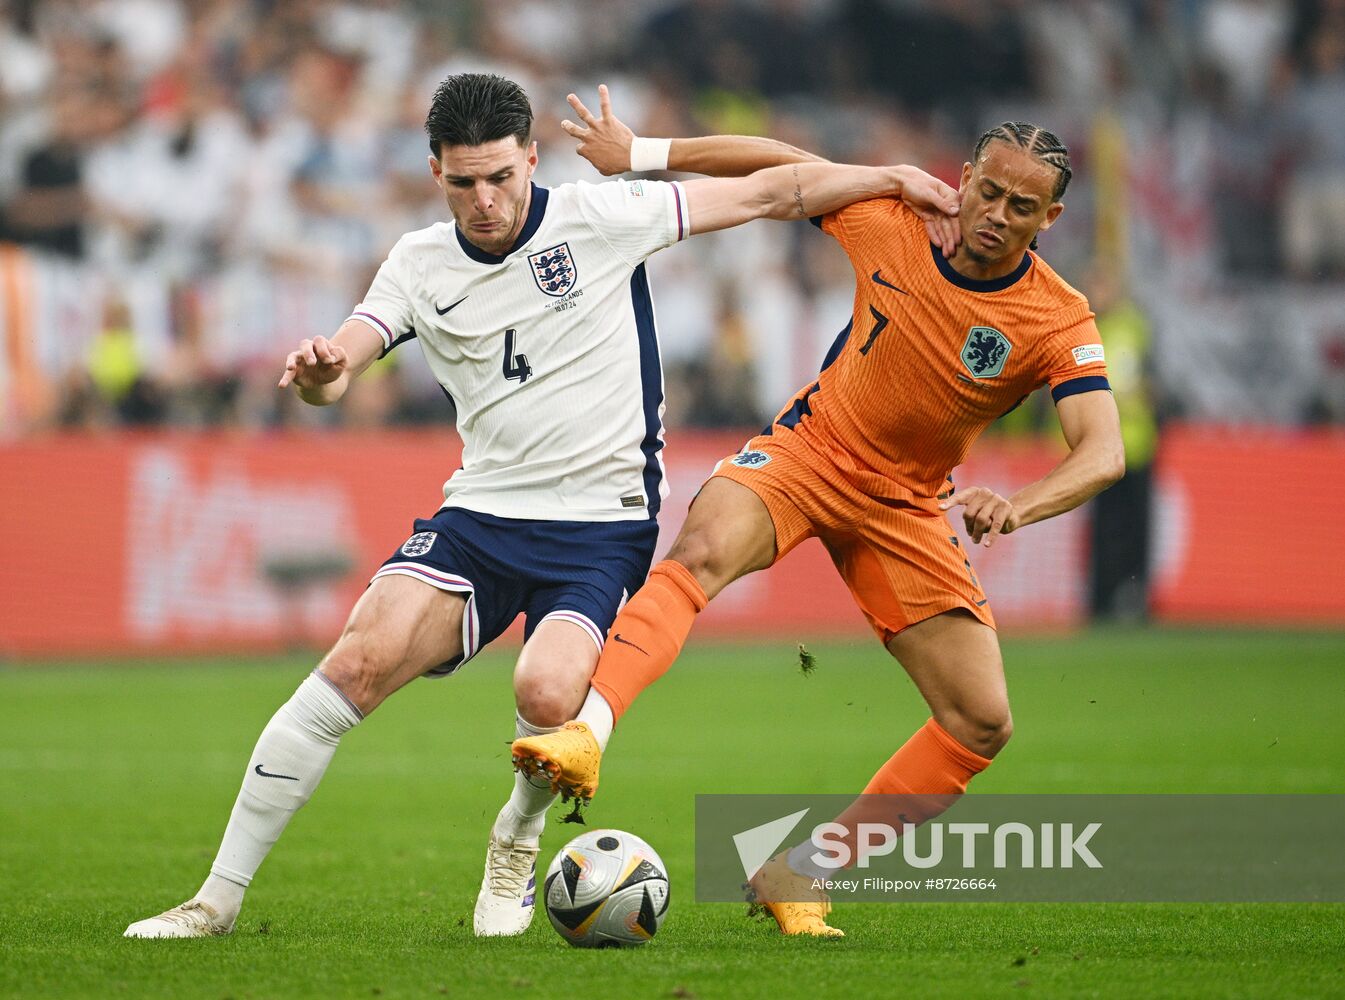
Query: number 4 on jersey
{"type": "Point", "coordinates": [515, 365]}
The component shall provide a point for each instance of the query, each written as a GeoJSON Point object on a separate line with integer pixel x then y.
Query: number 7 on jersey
{"type": "Point", "coordinates": [515, 365]}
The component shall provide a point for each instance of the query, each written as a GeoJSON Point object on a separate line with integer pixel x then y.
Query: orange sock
{"type": "Point", "coordinates": [930, 763]}
{"type": "Point", "coordinates": [648, 634]}
{"type": "Point", "coordinates": [918, 782]}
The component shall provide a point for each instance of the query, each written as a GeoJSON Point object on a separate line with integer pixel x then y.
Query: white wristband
{"type": "Point", "coordinates": [649, 154]}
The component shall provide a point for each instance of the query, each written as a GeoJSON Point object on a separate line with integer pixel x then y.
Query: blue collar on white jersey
{"type": "Point", "coordinates": [535, 212]}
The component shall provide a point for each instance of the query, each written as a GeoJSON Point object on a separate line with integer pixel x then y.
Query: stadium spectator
{"type": "Point", "coordinates": [231, 170]}
{"type": "Point", "coordinates": [51, 205]}
{"type": "Point", "coordinates": [1122, 516]}
{"type": "Point", "coordinates": [1315, 200]}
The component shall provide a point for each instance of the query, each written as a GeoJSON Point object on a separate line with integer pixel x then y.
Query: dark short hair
{"type": "Point", "coordinates": [470, 109]}
{"type": "Point", "coordinates": [1042, 144]}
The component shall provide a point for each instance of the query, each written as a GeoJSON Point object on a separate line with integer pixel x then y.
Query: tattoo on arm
{"type": "Point", "coordinates": [798, 194]}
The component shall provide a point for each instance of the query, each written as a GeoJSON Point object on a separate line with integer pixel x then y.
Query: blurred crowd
{"type": "Point", "coordinates": [189, 187]}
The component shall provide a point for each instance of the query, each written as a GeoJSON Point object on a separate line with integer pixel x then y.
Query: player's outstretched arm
{"type": "Point", "coordinates": [1096, 459]}
{"type": "Point", "coordinates": [610, 145]}
{"type": "Point", "coordinates": [322, 369]}
{"type": "Point", "coordinates": [803, 190]}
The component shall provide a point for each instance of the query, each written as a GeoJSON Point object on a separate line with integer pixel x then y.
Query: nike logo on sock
{"type": "Point", "coordinates": [268, 774]}
{"type": "Point", "coordinates": [627, 642]}
{"type": "Point", "coordinates": [878, 280]}
{"type": "Point", "coordinates": [448, 309]}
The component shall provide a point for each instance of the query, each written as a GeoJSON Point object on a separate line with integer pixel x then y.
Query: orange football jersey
{"type": "Point", "coordinates": [930, 358]}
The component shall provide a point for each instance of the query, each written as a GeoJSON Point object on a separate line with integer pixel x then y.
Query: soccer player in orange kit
{"type": "Point", "coordinates": [939, 345]}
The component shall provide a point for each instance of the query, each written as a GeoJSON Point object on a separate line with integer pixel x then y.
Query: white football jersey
{"type": "Point", "coordinates": [548, 352]}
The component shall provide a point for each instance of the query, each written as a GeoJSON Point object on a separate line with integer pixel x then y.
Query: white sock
{"type": "Point", "coordinates": [225, 896]}
{"type": "Point", "coordinates": [291, 755]}
{"type": "Point", "coordinates": [597, 715]}
{"type": "Point", "coordinates": [524, 815]}
{"type": "Point", "coordinates": [800, 862]}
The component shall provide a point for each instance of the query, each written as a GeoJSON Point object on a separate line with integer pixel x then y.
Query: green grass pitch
{"type": "Point", "coordinates": [116, 780]}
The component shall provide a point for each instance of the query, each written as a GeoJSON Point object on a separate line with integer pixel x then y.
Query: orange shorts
{"type": "Point", "coordinates": [901, 559]}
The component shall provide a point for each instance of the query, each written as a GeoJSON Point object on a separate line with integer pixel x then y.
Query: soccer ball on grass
{"type": "Point", "coordinates": [606, 888]}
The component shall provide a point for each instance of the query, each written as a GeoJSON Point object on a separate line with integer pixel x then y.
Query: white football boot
{"type": "Point", "coordinates": [193, 919]}
{"type": "Point", "coordinates": [508, 896]}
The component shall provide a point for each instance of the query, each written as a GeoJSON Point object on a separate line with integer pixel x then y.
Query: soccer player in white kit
{"type": "Point", "coordinates": [532, 309]}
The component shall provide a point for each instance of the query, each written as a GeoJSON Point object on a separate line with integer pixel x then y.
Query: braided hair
{"type": "Point", "coordinates": [1045, 146]}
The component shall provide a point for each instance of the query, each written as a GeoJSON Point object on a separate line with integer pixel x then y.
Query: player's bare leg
{"type": "Point", "coordinates": [728, 533]}
{"type": "Point", "coordinates": [550, 682]}
{"type": "Point", "coordinates": [399, 629]}
{"type": "Point", "coordinates": [955, 662]}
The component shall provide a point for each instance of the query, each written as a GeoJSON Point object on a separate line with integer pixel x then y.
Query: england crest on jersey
{"type": "Point", "coordinates": [554, 270]}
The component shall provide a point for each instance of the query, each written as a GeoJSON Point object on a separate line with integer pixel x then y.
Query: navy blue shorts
{"type": "Point", "coordinates": [578, 571]}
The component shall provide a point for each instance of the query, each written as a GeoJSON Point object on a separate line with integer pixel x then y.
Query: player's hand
{"type": "Point", "coordinates": [604, 142]}
{"type": "Point", "coordinates": [985, 513]}
{"type": "Point", "coordinates": [937, 204]}
{"type": "Point", "coordinates": [316, 362]}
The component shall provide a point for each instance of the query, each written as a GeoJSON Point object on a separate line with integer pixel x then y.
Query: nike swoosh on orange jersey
{"type": "Point", "coordinates": [878, 280]}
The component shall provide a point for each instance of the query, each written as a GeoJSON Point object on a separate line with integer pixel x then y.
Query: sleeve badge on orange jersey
{"type": "Point", "coordinates": [1087, 353]}
{"type": "Point", "coordinates": [750, 459]}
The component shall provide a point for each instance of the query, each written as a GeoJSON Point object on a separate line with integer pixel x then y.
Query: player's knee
{"type": "Point", "coordinates": [358, 670]}
{"type": "Point", "coordinates": [550, 686]}
{"type": "Point", "coordinates": [990, 731]}
{"type": "Point", "coordinates": [995, 734]}
{"type": "Point", "coordinates": [707, 559]}
{"type": "Point", "coordinates": [546, 708]}
{"type": "Point", "coordinates": [544, 702]}
{"type": "Point", "coordinates": [984, 729]}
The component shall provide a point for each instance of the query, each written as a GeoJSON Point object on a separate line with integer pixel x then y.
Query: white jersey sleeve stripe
{"type": "Point", "coordinates": [381, 328]}
{"type": "Point", "coordinates": [683, 212]}
{"type": "Point", "coordinates": [651, 391]}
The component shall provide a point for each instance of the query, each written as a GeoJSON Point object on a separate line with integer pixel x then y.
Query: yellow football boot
{"type": "Point", "coordinates": [569, 758]}
{"type": "Point", "coordinates": [797, 907]}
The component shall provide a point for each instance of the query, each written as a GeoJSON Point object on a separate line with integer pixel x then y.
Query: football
{"type": "Point", "coordinates": [606, 888]}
